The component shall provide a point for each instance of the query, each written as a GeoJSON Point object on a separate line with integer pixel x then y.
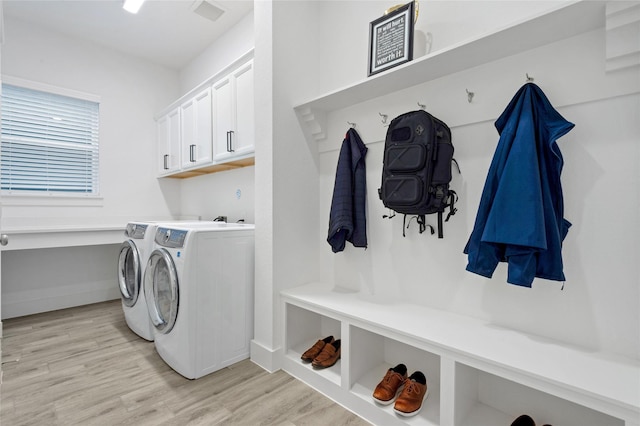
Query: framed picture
{"type": "Point", "coordinates": [391, 39]}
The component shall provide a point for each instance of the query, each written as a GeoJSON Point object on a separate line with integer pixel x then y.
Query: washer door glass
{"type": "Point", "coordinates": [161, 290]}
{"type": "Point", "coordinates": [129, 274]}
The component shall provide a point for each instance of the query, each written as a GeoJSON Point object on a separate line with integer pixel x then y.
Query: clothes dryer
{"type": "Point", "coordinates": [134, 253]}
{"type": "Point", "coordinates": [198, 283]}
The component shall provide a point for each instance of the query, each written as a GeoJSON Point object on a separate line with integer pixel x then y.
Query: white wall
{"type": "Point", "coordinates": [47, 279]}
{"type": "Point", "coordinates": [222, 52]}
{"type": "Point", "coordinates": [229, 193]}
{"type": "Point", "coordinates": [263, 351]}
{"type": "Point", "coordinates": [217, 194]}
{"type": "Point", "coordinates": [287, 214]}
{"type": "Point", "coordinates": [131, 92]}
{"type": "Point", "coordinates": [599, 305]}
{"type": "Point", "coordinates": [343, 52]}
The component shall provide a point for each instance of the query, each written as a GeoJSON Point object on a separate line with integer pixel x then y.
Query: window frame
{"type": "Point", "coordinates": [37, 198]}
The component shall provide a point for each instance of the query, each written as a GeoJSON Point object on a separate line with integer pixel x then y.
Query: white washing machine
{"type": "Point", "coordinates": [198, 283]}
{"type": "Point", "coordinates": [134, 253]}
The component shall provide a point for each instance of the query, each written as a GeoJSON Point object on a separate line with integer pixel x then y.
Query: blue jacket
{"type": "Point", "coordinates": [520, 217]}
{"type": "Point", "coordinates": [347, 219]}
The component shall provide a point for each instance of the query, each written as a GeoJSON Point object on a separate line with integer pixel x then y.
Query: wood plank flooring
{"type": "Point", "coordinates": [83, 366]}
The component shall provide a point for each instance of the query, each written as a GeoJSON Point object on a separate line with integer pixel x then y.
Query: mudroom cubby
{"type": "Point", "coordinates": [304, 329]}
{"type": "Point", "coordinates": [478, 373]}
{"type": "Point", "coordinates": [484, 399]}
{"type": "Point", "coordinates": [372, 354]}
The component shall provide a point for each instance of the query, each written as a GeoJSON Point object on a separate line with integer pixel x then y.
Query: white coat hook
{"type": "Point", "coordinates": [529, 79]}
{"type": "Point", "coordinates": [469, 95]}
{"type": "Point", "coordinates": [384, 117]}
{"type": "Point", "coordinates": [352, 125]}
{"type": "Point", "coordinates": [422, 106]}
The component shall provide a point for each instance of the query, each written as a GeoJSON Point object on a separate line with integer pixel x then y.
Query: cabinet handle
{"type": "Point", "coordinates": [230, 141]}
{"type": "Point", "coordinates": [166, 161]}
{"type": "Point", "coordinates": [192, 155]}
{"type": "Point", "coordinates": [4, 239]}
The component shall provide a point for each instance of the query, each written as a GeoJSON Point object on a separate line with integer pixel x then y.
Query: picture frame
{"type": "Point", "coordinates": [391, 39]}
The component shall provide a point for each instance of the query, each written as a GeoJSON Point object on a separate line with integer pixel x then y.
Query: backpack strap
{"type": "Point", "coordinates": [404, 221]}
{"type": "Point", "coordinates": [421, 222]}
{"type": "Point", "coordinates": [452, 198]}
{"type": "Point", "coordinates": [454, 161]}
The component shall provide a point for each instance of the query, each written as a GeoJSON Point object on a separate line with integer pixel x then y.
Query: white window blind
{"type": "Point", "coordinates": [49, 143]}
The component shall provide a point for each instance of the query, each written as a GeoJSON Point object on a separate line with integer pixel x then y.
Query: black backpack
{"type": "Point", "coordinates": [416, 171]}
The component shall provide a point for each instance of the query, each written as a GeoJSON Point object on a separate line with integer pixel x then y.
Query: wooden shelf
{"type": "Point", "coordinates": [214, 168]}
{"type": "Point", "coordinates": [568, 20]}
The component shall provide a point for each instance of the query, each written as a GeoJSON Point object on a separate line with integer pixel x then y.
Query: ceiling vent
{"type": "Point", "coordinates": [207, 9]}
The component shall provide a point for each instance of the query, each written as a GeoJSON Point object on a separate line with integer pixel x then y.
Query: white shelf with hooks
{"type": "Point", "coordinates": [540, 30]}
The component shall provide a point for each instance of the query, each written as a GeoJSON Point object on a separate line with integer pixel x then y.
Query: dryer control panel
{"type": "Point", "coordinates": [173, 238]}
{"type": "Point", "coordinates": [135, 230]}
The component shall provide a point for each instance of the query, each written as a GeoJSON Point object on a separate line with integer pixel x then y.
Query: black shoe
{"type": "Point", "coordinates": [523, 420]}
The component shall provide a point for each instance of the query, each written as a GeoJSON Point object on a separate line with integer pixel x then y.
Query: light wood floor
{"type": "Point", "coordinates": [83, 366]}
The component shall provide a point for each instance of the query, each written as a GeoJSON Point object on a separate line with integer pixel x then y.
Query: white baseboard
{"type": "Point", "coordinates": [27, 302]}
{"type": "Point", "coordinates": [269, 359]}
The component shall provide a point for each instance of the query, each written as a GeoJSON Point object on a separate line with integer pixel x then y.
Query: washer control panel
{"type": "Point", "coordinates": [173, 238]}
{"type": "Point", "coordinates": [135, 230]}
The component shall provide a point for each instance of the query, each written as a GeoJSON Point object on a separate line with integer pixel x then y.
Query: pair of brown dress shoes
{"type": "Point", "coordinates": [324, 353]}
{"type": "Point", "coordinates": [407, 392]}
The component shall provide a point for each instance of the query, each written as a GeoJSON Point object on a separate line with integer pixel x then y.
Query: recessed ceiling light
{"type": "Point", "coordinates": [132, 6]}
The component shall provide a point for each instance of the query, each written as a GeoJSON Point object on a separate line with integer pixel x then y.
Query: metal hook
{"type": "Point", "coordinates": [352, 125]}
{"type": "Point", "coordinates": [529, 79]}
{"type": "Point", "coordinates": [384, 117]}
{"type": "Point", "coordinates": [469, 95]}
{"type": "Point", "coordinates": [423, 107]}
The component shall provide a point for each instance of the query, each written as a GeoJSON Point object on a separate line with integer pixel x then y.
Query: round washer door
{"type": "Point", "coordinates": [129, 274]}
{"type": "Point", "coordinates": [161, 290]}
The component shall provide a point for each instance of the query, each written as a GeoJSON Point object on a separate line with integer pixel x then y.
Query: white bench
{"type": "Point", "coordinates": [478, 373]}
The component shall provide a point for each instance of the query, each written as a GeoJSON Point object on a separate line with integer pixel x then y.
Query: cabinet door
{"type": "Point", "coordinates": [243, 138]}
{"type": "Point", "coordinates": [223, 118]}
{"type": "Point", "coordinates": [169, 143]}
{"type": "Point", "coordinates": [197, 149]}
{"type": "Point", "coordinates": [233, 113]}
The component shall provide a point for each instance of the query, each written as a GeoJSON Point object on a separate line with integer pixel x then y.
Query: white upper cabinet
{"type": "Point", "coordinates": [196, 145]}
{"type": "Point", "coordinates": [233, 114]}
{"type": "Point", "coordinates": [211, 128]}
{"type": "Point", "coordinates": [169, 142]}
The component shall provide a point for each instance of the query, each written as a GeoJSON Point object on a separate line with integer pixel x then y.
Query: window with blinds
{"type": "Point", "coordinates": [49, 143]}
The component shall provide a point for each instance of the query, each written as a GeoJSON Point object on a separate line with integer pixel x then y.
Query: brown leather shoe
{"type": "Point", "coordinates": [315, 350]}
{"type": "Point", "coordinates": [415, 391]}
{"type": "Point", "coordinates": [390, 386]}
{"type": "Point", "coordinates": [329, 355]}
